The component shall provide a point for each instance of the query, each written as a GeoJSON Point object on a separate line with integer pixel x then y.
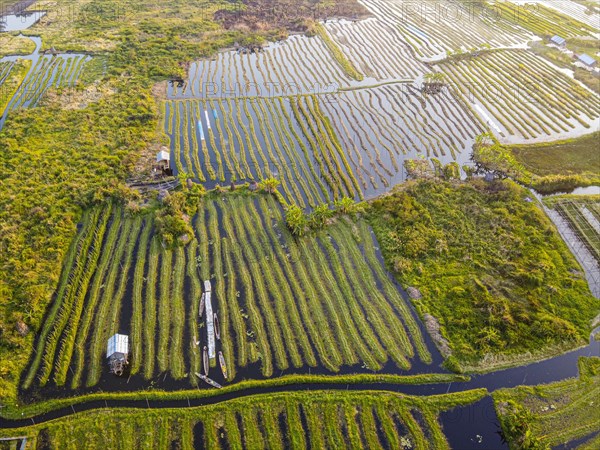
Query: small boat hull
{"type": "Point", "coordinates": [222, 364]}
{"type": "Point", "coordinates": [201, 307]}
{"type": "Point", "coordinates": [207, 380]}
{"type": "Point", "coordinates": [217, 330]}
{"type": "Point", "coordinates": [205, 360]}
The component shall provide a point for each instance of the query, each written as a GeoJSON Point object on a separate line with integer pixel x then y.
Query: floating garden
{"type": "Point", "coordinates": [297, 65]}
{"type": "Point", "coordinates": [382, 127]}
{"type": "Point", "coordinates": [537, 103]}
{"type": "Point", "coordinates": [369, 44]}
{"type": "Point", "coordinates": [274, 310]}
{"type": "Point", "coordinates": [582, 215]}
{"type": "Point", "coordinates": [435, 29]}
{"type": "Point", "coordinates": [313, 419]}
{"type": "Point", "coordinates": [224, 141]}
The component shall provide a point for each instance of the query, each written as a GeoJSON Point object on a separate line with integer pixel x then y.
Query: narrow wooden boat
{"type": "Point", "coordinates": [207, 380]}
{"type": "Point", "coordinates": [201, 307]}
{"type": "Point", "coordinates": [217, 331]}
{"type": "Point", "coordinates": [205, 359]}
{"type": "Point", "coordinates": [222, 364]}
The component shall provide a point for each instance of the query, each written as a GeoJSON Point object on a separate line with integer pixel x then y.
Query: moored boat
{"type": "Point", "coordinates": [222, 364]}
{"type": "Point", "coordinates": [201, 307]}
{"type": "Point", "coordinates": [207, 380]}
{"type": "Point", "coordinates": [205, 360]}
{"type": "Point", "coordinates": [217, 331]}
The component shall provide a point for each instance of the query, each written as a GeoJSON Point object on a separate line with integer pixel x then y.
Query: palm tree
{"type": "Point", "coordinates": [270, 184]}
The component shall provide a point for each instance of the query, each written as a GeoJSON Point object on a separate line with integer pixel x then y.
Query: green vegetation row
{"type": "Point", "coordinates": [269, 296]}
{"type": "Point", "coordinates": [315, 419]}
{"type": "Point", "coordinates": [537, 101]}
{"type": "Point", "coordinates": [490, 266]}
{"type": "Point", "coordinates": [551, 415]}
{"type": "Point", "coordinates": [337, 53]}
{"type": "Point", "coordinates": [42, 407]}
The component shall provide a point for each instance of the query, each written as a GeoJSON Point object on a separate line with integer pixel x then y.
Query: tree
{"type": "Point", "coordinates": [183, 177]}
{"type": "Point", "coordinates": [347, 206]}
{"type": "Point", "coordinates": [318, 218]}
{"type": "Point", "coordinates": [270, 184]}
{"type": "Point", "coordinates": [296, 220]}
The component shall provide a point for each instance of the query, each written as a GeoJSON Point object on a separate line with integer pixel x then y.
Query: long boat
{"type": "Point", "coordinates": [205, 359]}
{"type": "Point", "coordinates": [217, 331]}
{"type": "Point", "coordinates": [207, 380]}
{"type": "Point", "coordinates": [207, 119]}
{"type": "Point", "coordinates": [201, 307]}
{"type": "Point", "coordinates": [222, 364]}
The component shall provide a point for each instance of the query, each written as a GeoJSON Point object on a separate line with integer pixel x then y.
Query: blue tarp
{"type": "Point", "coordinates": [201, 130]}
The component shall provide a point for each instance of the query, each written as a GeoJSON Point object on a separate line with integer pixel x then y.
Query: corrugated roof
{"type": "Point", "coordinates": [586, 59]}
{"type": "Point", "coordinates": [163, 156]}
{"type": "Point", "coordinates": [118, 343]}
{"type": "Point", "coordinates": [558, 40]}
